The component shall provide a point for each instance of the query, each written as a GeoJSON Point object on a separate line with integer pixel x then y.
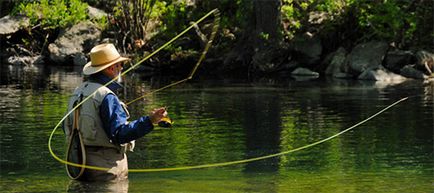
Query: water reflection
{"type": "Point", "coordinates": [40, 76]}
{"type": "Point", "coordinates": [107, 187]}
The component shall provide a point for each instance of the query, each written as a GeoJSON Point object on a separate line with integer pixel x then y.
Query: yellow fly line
{"type": "Point", "coordinates": [216, 14]}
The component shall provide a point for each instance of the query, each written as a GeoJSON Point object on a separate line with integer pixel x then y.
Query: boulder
{"type": "Point", "coordinates": [337, 63]}
{"type": "Point", "coordinates": [410, 72]}
{"type": "Point", "coordinates": [367, 56]}
{"type": "Point", "coordinates": [74, 41]}
{"type": "Point", "coordinates": [95, 13]}
{"type": "Point", "coordinates": [380, 74]}
{"type": "Point", "coordinates": [11, 24]}
{"type": "Point", "coordinates": [397, 59]}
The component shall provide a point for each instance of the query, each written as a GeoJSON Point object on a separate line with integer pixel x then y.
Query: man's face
{"type": "Point", "coordinates": [114, 70]}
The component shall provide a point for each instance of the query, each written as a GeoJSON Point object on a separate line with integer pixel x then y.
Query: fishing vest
{"type": "Point", "coordinates": [90, 124]}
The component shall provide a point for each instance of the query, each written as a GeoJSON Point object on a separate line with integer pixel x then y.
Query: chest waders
{"type": "Point", "coordinates": [76, 152]}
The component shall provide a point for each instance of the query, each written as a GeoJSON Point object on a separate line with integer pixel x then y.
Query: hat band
{"type": "Point", "coordinates": [105, 63]}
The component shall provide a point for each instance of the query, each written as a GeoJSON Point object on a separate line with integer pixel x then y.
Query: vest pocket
{"type": "Point", "coordinates": [88, 127]}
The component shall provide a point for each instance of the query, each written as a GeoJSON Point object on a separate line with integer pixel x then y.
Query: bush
{"type": "Point", "coordinates": [391, 20]}
{"type": "Point", "coordinates": [55, 13]}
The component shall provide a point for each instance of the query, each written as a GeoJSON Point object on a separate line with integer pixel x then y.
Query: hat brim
{"type": "Point", "coordinates": [88, 69]}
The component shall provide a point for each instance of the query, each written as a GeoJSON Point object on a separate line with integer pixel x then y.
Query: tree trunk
{"type": "Point", "coordinates": [260, 40]}
{"type": "Point", "coordinates": [266, 21]}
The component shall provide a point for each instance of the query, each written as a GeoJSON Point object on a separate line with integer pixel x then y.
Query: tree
{"type": "Point", "coordinates": [260, 37]}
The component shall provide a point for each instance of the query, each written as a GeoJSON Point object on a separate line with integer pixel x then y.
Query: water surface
{"type": "Point", "coordinates": [226, 120]}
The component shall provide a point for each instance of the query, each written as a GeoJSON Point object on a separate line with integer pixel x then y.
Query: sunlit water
{"type": "Point", "coordinates": [220, 121]}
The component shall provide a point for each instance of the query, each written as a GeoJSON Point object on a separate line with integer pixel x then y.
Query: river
{"type": "Point", "coordinates": [226, 120]}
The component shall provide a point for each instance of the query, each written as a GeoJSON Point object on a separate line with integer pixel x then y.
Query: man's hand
{"type": "Point", "coordinates": [157, 114]}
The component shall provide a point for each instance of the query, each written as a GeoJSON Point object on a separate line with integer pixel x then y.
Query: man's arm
{"type": "Point", "coordinates": [115, 123]}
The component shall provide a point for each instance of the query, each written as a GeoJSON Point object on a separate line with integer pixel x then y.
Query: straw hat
{"type": "Point", "coordinates": [101, 57]}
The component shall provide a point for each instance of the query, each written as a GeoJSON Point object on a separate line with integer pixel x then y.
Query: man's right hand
{"type": "Point", "coordinates": [157, 114]}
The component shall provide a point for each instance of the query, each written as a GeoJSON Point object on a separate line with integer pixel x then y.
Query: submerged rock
{"type": "Point", "coordinates": [381, 74]}
{"type": "Point", "coordinates": [26, 60]}
{"type": "Point", "coordinates": [304, 72]}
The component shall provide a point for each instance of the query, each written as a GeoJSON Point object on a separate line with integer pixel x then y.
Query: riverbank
{"type": "Point", "coordinates": [312, 52]}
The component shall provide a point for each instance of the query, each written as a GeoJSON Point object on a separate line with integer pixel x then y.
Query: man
{"type": "Point", "coordinates": [103, 132]}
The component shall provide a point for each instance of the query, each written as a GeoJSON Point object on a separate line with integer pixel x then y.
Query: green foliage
{"type": "Point", "coordinates": [334, 7]}
{"type": "Point", "coordinates": [389, 20]}
{"type": "Point", "coordinates": [102, 22]}
{"type": "Point", "coordinates": [175, 17]}
{"type": "Point", "coordinates": [296, 13]}
{"type": "Point", "coordinates": [264, 36]}
{"type": "Point", "coordinates": [54, 13]}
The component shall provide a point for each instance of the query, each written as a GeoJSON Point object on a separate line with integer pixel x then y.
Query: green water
{"type": "Point", "coordinates": [219, 121]}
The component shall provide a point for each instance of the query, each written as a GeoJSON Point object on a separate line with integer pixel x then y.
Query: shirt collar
{"type": "Point", "coordinates": [103, 79]}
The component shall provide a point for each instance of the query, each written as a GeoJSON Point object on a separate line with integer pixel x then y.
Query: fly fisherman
{"type": "Point", "coordinates": [98, 132]}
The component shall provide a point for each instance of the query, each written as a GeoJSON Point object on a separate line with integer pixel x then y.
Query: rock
{"type": "Point", "coordinates": [74, 40]}
{"type": "Point", "coordinates": [26, 60]}
{"type": "Point", "coordinates": [381, 74]}
{"type": "Point", "coordinates": [317, 17]}
{"type": "Point", "coordinates": [410, 72]}
{"type": "Point", "coordinates": [308, 48]}
{"type": "Point", "coordinates": [337, 63]}
{"type": "Point", "coordinates": [95, 13]}
{"type": "Point", "coordinates": [80, 59]}
{"type": "Point", "coordinates": [395, 60]}
{"type": "Point", "coordinates": [367, 56]}
{"type": "Point", "coordinates": [425, 61]}
{"type": "Point", "coordinates": [11, 24]}
{"type": "Point", "coordinates": [304, 72]}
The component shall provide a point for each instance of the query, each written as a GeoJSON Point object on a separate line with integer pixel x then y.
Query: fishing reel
{"type": "Point", "coordinates": [165, 122]}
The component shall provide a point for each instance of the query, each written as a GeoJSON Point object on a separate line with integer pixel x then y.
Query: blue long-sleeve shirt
{"type": "Point", "coordinates": [114, 118]}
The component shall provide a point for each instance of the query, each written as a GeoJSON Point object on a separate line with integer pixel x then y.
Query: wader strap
{"type": "Point", "coordinates": [76, 152]}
